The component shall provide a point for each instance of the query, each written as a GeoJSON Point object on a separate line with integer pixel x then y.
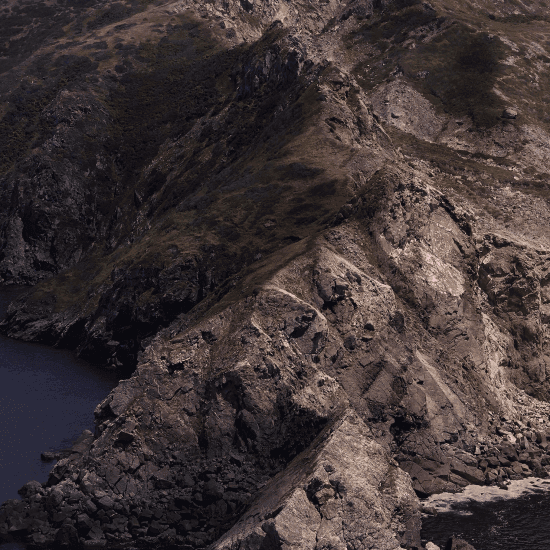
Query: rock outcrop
{"type": "Point", "coordinates": [343, 491]}
{"type": "Point", "coordinates": [311, 241]}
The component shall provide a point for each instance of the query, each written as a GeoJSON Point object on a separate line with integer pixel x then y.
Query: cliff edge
{"type": "Point", "coordinates": [313, 239]}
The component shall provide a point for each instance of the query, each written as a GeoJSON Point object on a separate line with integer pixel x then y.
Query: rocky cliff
{"type": "Point", "coordinates": [312, 237]}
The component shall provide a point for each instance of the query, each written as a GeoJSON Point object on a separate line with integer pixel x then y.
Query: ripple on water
{"type": "Point", "coordinates": [493, 519]}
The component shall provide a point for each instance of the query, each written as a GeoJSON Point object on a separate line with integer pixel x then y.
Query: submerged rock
{"type": "Point", "coordinates": [455, 543]}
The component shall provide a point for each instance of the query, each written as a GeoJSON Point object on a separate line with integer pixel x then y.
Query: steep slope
{"type": "Point", "coordinates": [314, 238]}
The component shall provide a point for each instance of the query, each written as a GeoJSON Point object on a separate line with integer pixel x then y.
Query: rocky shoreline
{"type": "Point", "coordinates": [514, 451]}
{"type": "Point", "coordinates": [315, 238]}
{"type": "Point", "coordinates": [107, 508]}
{"type": "Point", "coordinates": [93, 512]}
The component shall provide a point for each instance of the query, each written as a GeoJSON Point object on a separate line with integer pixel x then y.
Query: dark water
{"type": "Point", "coordinates": [516, 524]}
{"type": "Point", "coordinates": [47, 398]}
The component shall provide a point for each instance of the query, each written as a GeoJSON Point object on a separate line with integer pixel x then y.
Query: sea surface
{"type": "Point", "coordinates": [509, 524]}
{"type": "Point", "coordinates": [47, 398]}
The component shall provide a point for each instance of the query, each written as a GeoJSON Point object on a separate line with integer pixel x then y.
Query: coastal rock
{"type": "Point", "coordinates": [334, 500]}
{"type": "Point", "coordinates": [31, 488]}
{"type": "Point", "coordinates": [66, 537]}
{"type": "Point", "coordinates": [314, 246]}
{"type": "Point", "coordinates": [469, 473]}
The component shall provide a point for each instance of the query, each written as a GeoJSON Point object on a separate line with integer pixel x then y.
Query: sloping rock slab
{"type": "Point", "coordinates": [344, 491]}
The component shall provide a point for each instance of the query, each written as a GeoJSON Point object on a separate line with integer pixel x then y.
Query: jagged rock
{"type": "Point", "coordinates": [39, 539]}
{"type": "Point", "coordinates": [106, 502]}
{"type": "Point", "coordinates": [326, 497]}
{"type": "Point", "coordinates": [156, 528]}
{"type": "Point", "coordinates": [509, 113]}
{"type": "Point", "coordinates": [50, 456]}
{"type": "Point", "coordinates": [259, 239]}
{"type": "Point", "coordinates": [83, 524]}
{"type": "Point", "coordinates": [125, 437]}
{"type": "Point", "coordinates": [31, 488]}
{"type": "Point", "coordinates": [54, 499]}
{"type": "Point", "coordinates": [67, 537]}
{"type": "Point", "coordinates": [138, 199]}
{"type": "Point", "coordinates": [469, 473]}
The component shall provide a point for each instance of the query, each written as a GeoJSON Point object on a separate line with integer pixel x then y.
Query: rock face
{"type": "Point", "coordinates": [311, 240]}
{"type": "Point", "coordinates": [342, 491]}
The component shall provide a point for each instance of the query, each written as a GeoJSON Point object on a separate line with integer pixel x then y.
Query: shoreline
{"type": "Point", "coordinates": [448, 502]}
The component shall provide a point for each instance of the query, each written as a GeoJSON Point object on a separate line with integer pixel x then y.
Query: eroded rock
{"type": "Point", "coordinates": [343, 491]}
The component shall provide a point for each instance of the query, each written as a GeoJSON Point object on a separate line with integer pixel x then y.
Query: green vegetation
{"type": "Point", "coordinates": [209, 163]}
{"type": "Point", "coordinates": [178, 86]}
{"type": "Point", "coordinates": [453, 55]}
{"type": "Point", "coordinates": [519, 19]}
{"type": "Point", "coordinates": [25, 29]}
{"type": "Point", "coordinates": [114, 12]}
{"type": "Point", "coordinates": [242, 185]}
{"type": "Point", "coordinates": [460, 66]}
{"type": "Point", "coordinates": [396, 26]}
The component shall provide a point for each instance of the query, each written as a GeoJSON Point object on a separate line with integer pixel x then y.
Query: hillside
{"type": "Point", "coordinates": [312, 237]}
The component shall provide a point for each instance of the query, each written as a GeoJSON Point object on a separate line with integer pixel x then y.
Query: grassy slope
{"type": "Point", "coordinates": [464, 58]}
{"type": "Point", "coordinates": [249, 176]}
{"type": "Point", "coordinates": [220, 177]}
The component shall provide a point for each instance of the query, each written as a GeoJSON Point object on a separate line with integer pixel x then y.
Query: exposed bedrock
{"type": "Point", "coordinates": [282, 375]}
{"type": "Point", "coordinates": [283, 381]}
{"type": "Point", "coordinates": [52, 215]}
{"type": "Point", "coordinates": [213, 412]}
{"type": "Point", "coordinates": [122, 322]}
{"type": "Point", "coordinates": [389, 330]}
{"type": "Point", "coordinates": [343, 491]}
{"type": "Point", "coordinates": [312, 240]}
